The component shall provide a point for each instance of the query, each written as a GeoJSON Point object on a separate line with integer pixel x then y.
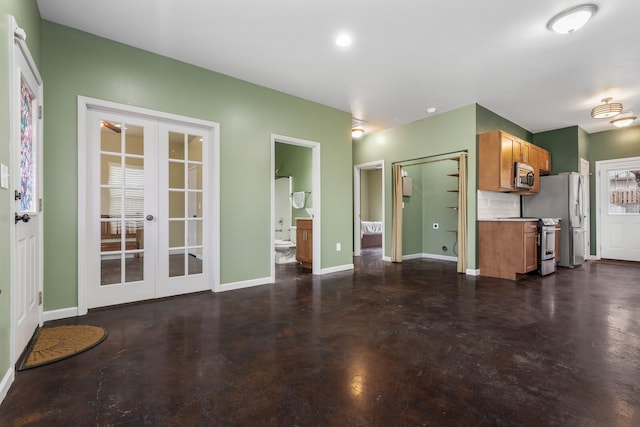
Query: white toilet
{"type": "Point", "coordinates": [286, 249]}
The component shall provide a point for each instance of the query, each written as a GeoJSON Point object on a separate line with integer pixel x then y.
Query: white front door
{"type": "Point", "coordinates": [26, 184]}
{"type": "Point", "coordinates": [149, 213]}
{"type": "Point", "coordinates": [619, 211]}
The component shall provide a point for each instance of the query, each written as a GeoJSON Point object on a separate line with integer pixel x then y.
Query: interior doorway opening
{"type": "Point", "coordinates": [295, 203]}
{"type": "Point", "coordinates": [369, 207]}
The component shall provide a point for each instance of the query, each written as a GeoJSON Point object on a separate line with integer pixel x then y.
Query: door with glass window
{"type": "Point", "coordinates": [620, 210]}
{"type": "Point", "coordinates": [148, 209]}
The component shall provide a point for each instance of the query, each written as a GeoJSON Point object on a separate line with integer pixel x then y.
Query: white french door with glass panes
{"type": "Point", "coordinates": [149, 210]}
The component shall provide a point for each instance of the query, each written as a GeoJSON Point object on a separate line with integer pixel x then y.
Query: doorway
{"type": "Point", "coordinates": [148, 227]}
{"type": "Point", "coordinates": [618, 216]}
{"type": "Point", "coordinates": [26, 183]}
{"type": "Point", "coordinates": [308, 204]}
{"type": "Point", "coordinates": [368, 202]}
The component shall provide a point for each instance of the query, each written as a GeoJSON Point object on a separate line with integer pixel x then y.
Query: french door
{"type": "Point", "coordinates": [619, 182]}
{"type": "Point", "coordinates": [149, 208]}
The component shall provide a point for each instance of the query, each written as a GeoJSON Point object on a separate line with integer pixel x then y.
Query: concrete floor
{"type": "Point", "coordinates": [388, 344]}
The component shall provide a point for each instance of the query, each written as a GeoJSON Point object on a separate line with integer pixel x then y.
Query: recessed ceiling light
{"type": "Point", "coordinates": [432, 110]}
{"type": "Point", "coordinates": [572, 19]}
{"type": "Point", "coordinates": [344, 40]}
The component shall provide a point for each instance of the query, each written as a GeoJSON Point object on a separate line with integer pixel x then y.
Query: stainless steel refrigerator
{"type": "Point", "coordinates": [562, 196]}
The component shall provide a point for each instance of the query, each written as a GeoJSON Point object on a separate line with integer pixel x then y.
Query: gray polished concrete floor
{"type": "Point", "coordinates": [386, 344]}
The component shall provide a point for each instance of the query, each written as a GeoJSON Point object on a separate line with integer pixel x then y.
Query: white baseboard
{"type": "Point", "coordinates": [243, 284]}
{"type": "Point", "coordinates": [430, 256]}
{"type": "Point", "coordinates": [471, 272]}
{"type": "Point", "coordinates": [62, 313]}
{"type": "Point", "coordinates": [440, 257]}
{"type": "Point", "coordinates": [7, 380]}
{"type": "Point", "coordinates": [337, 269]}
{"type": "Point", "coordinates": [386, 258]}
{"type": "Point", "coordinates": [592, 257]}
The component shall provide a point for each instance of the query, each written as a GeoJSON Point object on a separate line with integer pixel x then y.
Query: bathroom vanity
{"type": "Point", "coordinates": [304, 242]}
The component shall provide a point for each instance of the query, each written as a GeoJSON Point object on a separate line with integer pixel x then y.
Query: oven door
{"type": "Point", "coordinates": [547, 243]}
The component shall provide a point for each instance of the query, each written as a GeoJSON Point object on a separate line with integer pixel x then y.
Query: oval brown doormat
{"type": "Point", "coordinates": [60, 342]}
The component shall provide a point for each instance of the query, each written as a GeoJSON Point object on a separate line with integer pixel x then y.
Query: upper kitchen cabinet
{"type": "Point", "coordinates": [498, 152]}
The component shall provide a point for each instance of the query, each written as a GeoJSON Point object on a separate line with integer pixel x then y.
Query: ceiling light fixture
{"type": "Point", "coordinates": [431, 110]}
{"type": "Point", "coordinates": [607, 109]}
{"type": "Point", "coordinates": [344, 40]}
{"type": "Point", "coordinates": [623, 121]}
{"type": "Point", "coordinates": [357, 133]}
{"type": "Point", "coordinates": [572, 19]}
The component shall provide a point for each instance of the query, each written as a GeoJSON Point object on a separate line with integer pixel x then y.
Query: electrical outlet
{"type": "Point", "coordinates": [436, 225]}
{"type": "Point", "coordinates": [338, 247]}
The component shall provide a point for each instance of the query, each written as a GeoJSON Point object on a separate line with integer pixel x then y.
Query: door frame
{"type": "Point", "coordinates": [19, 47]}
{"type": "Point", "coordinates": [84, 105]}
{"type": "Point", "coordinates": [357, 208]}
{"type": "Point", "coordinates": [315, 191]}
{"type": "Point", "coordinates": [600, 165]}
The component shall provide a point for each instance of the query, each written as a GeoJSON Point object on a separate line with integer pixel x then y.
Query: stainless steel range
{"type": "Point", "coordinates": [547, 245]}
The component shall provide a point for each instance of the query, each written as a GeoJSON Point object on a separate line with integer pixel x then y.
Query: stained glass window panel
{"type": "Point", "coordinates": [27, 139]}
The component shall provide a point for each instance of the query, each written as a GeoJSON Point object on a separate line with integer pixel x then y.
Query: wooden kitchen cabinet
{"type": "Point", "coordinates": [304, 241]}
{"type": "Point", "coordinates": [507, 248]}
{"type": "Point", "coordinates": [495, 161]}
{"type": "Point", "coordinates": [544, 161]}
{"type": "Point", "coordinates": [498, 151]}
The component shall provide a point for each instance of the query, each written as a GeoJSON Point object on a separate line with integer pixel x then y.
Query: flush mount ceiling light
{"type": "Point", "coordinates": [344, 40]}
{"type": "Point", "coordinates": [623, 121]}
{"type": "Point", "coordinates": [357, 132]}
{"type": "Point", "coordinates": [606, 110]}
{"type": "Point", "coordinates": [572, 19]}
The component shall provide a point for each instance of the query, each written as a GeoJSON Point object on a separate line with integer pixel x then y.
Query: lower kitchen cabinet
{"type": "Point", "coordinates": [304, 242]}
{"type": "Point", "coordinates": [507, 248]}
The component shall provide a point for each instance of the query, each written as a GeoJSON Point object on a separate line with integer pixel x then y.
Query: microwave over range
{"type": "Point", "coordinates": [524, 175]}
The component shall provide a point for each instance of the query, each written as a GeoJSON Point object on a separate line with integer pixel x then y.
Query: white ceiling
{"type": "Point", "coordinates": [406, 56]}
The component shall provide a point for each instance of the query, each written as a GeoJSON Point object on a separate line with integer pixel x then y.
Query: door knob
{"type": "Point", "coordinates": [149, 217]}
{"type": "Point", "coordinates": [23, 218]}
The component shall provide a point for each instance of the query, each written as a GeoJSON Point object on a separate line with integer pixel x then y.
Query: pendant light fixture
{"type": "Point", "coordinates": [572, 19]}
{"type": "Point", "coordinates": [607, 109]}
{"type": "Point", "coordinates": [623, 121]}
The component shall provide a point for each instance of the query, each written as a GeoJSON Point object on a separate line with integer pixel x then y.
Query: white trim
{"type": "Point", "coordinates": [87, 103]}
{"type": "Point", "coordinates": [599, 165]}
{"type": "Point", "coordinates": [7, 380]}
{"type": "Point", "coordinates": [592, 258]}
{"type": "Point", "coordinates": [244, 284]}
{"type": "Point", "coordinates": [14, 134]}
{"type": "Point", "coordinates": [440, 257]}
{"type": "Point", "coordinates": [430, 256]}
{"type": "Point", "coordinates": [386, 258]}
{"type": "Point", "coordinates": [315, 191]}
{"type": "Point", "coordinates": [62, 313]}
{"type": "Point", "coordinates": [357, 171]}
{"type": "Point", "coordinates": [337, 269]}
{"type": "Point", "coordinates": [472, 272]}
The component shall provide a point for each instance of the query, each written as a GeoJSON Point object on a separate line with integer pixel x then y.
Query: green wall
{"type": "Point", "coordinates": [27, 15]}
{"type": "Point", "coordinates": [296, 162]}
{"type": "Point", "coordinates": [436, 207]}
{"type": "Point", "coordinates": [446, 132]}
{"type": "Point", "coordinates": [487, 120]}
{"type": "Point", "coordinates": [77, 63]}
{"type": "Point", "coordinates": [371, 195]}
{"type": "Point", "coordinates": [563, 146]}
{"type": "Point", "coordinates": [412, 215]}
